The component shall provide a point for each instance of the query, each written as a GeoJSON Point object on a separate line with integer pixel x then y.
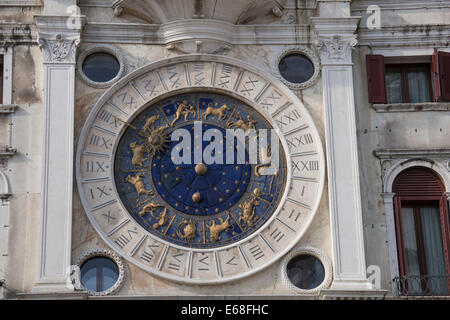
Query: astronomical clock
{"type": "Point", "coordinates": [199, 221]}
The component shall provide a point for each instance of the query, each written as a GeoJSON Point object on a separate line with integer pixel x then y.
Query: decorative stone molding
{"type": "Point", "coordinates": [393, 161]}
{"type": "Point", "coordinates": [199, 46]}
{"type": "Point", "coordinates": [101, 48]}
{"type": "Point", "coordinates": [8, 108]}
{"type": "Point", "coordinates": [59, 49]}
{"type": "Point", "coordinates": [301, 50]}
{"type": "Point", "coordinates": [7, 153]}
{"type": "Point", "coordinates": [317, 254]}
{"type": "Point", "coordinates": [336, 49]}
{"type": "Point", "coordinates": [97, 252]}
{"type": "Point", "coordinates": [58, 38]}
{"type": "Point", "coordinates": [412, 107]}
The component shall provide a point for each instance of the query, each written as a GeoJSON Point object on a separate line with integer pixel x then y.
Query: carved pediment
{"type": "Point", "coordinates": [232, 11]}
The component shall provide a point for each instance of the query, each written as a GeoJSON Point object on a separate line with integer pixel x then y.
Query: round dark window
{"type": "Point", "coordinates": [305, 272]}
{"type": "Point", "coordinates": [296, 68]}
{"type": "Point", "coordinates": [101, 67]}
{"type": "Point", "coordinates": [99, 274]}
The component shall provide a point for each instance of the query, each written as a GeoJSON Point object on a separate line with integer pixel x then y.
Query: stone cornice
{"type": "Point", "coordinates": [420, 36]}
{"type": "Point", "coordinates": [196, 29]}
{"type": "Point", "coordinates": [59, 36]}
{"type": "Point", "coordinates": [8, 108]}
{"type": "Point", "coordinates": [412, 153]}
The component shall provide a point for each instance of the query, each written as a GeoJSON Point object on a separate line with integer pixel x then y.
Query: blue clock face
{"type": "Point", "coordinates": [197, 204]}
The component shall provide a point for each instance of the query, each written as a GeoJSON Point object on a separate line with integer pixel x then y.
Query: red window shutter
{"type": "Point", "coordinates": [436, 76]}
{"type": "Point", "coordinates": [444, 71]}
{"type": "Point", "coordinates": [375, 78]}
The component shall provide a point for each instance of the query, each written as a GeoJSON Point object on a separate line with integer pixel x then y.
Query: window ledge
{"type": "Point", "coordinates": [412, 107]}
{"type": "Point", "coordinates": [8, 108]}
{"type": "Point", "coordinates": [7, 153]}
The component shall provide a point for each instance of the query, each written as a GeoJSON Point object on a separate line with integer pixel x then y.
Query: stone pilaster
{"type": "Point", "coordinates": [336, 38]}
{"type": "Point", "coordinates": [59, 41]}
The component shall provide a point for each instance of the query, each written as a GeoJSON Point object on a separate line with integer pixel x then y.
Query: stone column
{"type": "Point", "coordinates": [388, 200]}
{"type": "Point", "coordinates": [336, 38]}
{"type": "Point", "coordinates": [59, 41]}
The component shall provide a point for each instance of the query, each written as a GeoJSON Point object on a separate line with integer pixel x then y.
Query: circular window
{"type": "Point", "coordinates": [99, 274]}
{"type": "Point", "coordinates": [296, 68]}
{"type": "Point", "coordinates": [305, 272]}
{"type": "Point", "coordinates": [101, 67]}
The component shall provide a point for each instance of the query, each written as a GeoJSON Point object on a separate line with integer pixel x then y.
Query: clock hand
{"type": "Point", "coordinates": [140, 132]}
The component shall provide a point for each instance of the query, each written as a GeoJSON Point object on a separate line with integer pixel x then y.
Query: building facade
{"type": "Point", "coordinates": [348, 198]}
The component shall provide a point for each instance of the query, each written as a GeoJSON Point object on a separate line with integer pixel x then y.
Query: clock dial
{"type": "Point", "coordinates": [197, 205]}
{"type": "Point", "coordinates": [155, 181]}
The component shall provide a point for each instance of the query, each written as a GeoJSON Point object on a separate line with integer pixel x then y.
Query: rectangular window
{"type": "Point", "coordinates": [409, 82]}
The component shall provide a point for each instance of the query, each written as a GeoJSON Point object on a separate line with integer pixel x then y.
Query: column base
{"type": "Point", "coordinates": [52, 287]}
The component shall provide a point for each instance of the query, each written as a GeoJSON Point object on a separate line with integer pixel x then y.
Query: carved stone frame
{"type": "Point", "coordinates": [98, 252]}
{"type": "Point", "coordinates": [99, 48]}
{"type": "Point", "coordinates": [305, 51]}
{"type": "Point", "coordinates": [326, 263]}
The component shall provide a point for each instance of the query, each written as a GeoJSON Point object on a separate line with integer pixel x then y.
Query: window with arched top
{"type": "Point", "coordinates": [422, 227]}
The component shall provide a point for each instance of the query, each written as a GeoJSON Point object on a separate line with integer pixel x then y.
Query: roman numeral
{"type": "Point", "coordinates": [199, 75]}
{"type": "Point", "coordinates": [105, 115]}
{"type": "Point", "coordinates": [231, 262]}
{"type": "Point", "coordinates": [302, 140]}
{"type": "Point", "coordinates": [150, 254]}
{"type": "Point", "coordinates": [95, 166]}
{"type": "Point", "coordinates": [249, 86]}
{"type": "Point", "coordinates": [147, 256]}
{"type": "Point", "coordinates": [101, 192]}
{"type": "Point", "coordinates": [305, 165]}
{"type": "Point", "coordinates": [174, 266]}
{"type": "Point", "coordinates": [277, 235]}
{"type": "Point", "coordinates": [294, 215]}
{"type": "Point", "coordinates": [225, 76]}
{"type": "Point", "coordinates": [149, 87]}
{"type": "Point", "coordinates": [205, 264]}
{"type": "Point", "coordinates": [256, 252]}
{"type": "Point", "coordinates": [109, 217]}
{"type": "Point", "coordinates": [122, 241]}
{"type": "Point", "coordinates": [126, 102]}
{"type": "Point", "coordinates": [174, 77]}
{"type": "Point", "coordinates": [289, 117]}
{"type": "Point", "coordinates": [273, 97]}
{"type": "Point", "coordinates": [96, 140]}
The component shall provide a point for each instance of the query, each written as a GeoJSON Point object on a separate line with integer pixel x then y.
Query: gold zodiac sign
{"type": "Point", "coordinates": [265, 156]}
{"type": "Point", "coordinates": [150, 208]}
{"type": "Point", "coordinates": [189, 230]}
{"type": "Point", "coordinates": [220, 113]}
{"type": "Point", "coordinates": [163, 218]}
{"type": "Point", "coordinates": [216, 229]}
{"type": "Point", "coordinates": [154, 140]}
{"type": "Point", "coordinates": [248, 208]}
{"type": "Point", "coordinates": [138, 154]}
{"type": "Point", "coordinates": [241, 124]}
{"type": "Point", "coordinates": [149, 122]}
{"type": "Point", "coordinates": [137, 182]}
{"type": "Point", "coordinates": [183, 109]}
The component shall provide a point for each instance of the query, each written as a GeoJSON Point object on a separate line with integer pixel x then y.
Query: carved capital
{"type": "Point", "coordinates": [59, 49]}
{"type": "Point", "coordinates": [59, 37]}
{"type": "Point", "coordinates": [336, 49]}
